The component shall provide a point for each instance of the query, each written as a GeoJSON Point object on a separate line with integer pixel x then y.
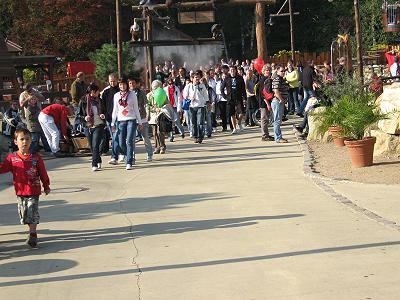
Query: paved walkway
{"type": "Point", "coordinates": [234, 218]}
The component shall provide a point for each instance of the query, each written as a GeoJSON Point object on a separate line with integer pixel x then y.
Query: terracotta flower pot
{"type": "Point", "coordinates": [335, 132]}
{"type": "Point", "coordinates": [361, 151]}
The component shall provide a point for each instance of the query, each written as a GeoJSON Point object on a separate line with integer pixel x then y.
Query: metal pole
{"type": "Point", "coordinates": [119, 42]}
{"type": "Point", "coordinates": [358, 39]}
{"type": "Point", "coordinates": [291, 29]}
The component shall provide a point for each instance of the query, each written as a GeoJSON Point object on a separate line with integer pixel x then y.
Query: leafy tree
{"type": "Point", "coordinates": [106, 60]}
{"type": "Point", "coordinates": [60, 27]}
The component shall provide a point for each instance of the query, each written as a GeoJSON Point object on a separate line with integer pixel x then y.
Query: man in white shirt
{"type": "Point", "coordinates": [198, 95]}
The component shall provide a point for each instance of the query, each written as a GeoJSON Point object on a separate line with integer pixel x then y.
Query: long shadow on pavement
{"type": "Point", "coordinates": [201, 264]}
{"type": "Point", "coordinates": [64, 240]}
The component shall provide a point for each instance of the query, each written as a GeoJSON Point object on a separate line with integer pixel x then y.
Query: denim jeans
{"type": "Point", "coordinates": [114, 140]}
{"type": "Point", "coordinates": [198, 118]}
{"type": "Point", "coordinates": [304, 123]}
{"type": "Point", "coordinates": [127, 136]}
{"type": "Point", "coordinates": [95, 135]}
{"type": "Point", "coordinates": [188, 119]}
{"type": "Point", "coordinates": [277, 110]}
{"type": "Point", "coordinates": [178, 122]}
{"type": "Point", "coordinates": [293, 100]}
{"type": "Point", "coordinates": [35, 142]}
{"type": "Point", "coordinates": [146, 139]}
{"type": "Point", "coordinates": [209, 123]}
{"type": "Point", "coordinates": [307, 95]}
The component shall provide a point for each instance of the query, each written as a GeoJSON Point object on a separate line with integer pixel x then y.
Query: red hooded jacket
{"type": "Point", "coordinates": [27, 173]}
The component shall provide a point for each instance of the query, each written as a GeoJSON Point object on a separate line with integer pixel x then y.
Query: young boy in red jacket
{"type": "Point", "coordinates": [28, 170]}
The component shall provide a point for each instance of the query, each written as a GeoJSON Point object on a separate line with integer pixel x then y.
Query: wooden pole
{"type": "Point", "coordinates": [119, 41]}
{"type": "Point", "coordinates": [260, 31]}
{"type": "Point", "coordinates": [291, 29]}
{"type": "Point", "coordinates": [360, 66]}
{"type": "Point", "coordinates": [149, 49]}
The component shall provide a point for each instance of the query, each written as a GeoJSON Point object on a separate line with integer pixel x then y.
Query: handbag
{"type": "Point", "coordinates": [186, 104]}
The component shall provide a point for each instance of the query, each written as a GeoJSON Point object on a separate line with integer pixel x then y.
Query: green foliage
{"type": "Point", "coordinates": [106, 61]}
{"type": "Point", "coordinates": [359, 114]}
{"type": "Point", "coordinates": [282, 53]}
{"type": "Point", "coordinates": [346, 86]}
{"type": "Point", "coordinates": [353, 110]}
{"type": "Point", "coordinates": [29, 75]}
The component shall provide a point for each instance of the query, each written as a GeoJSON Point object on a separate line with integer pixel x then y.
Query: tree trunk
{"type": "Point", "coordinates": [260, 31]}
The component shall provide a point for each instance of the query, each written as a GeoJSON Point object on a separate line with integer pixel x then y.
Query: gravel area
{"type": "Point", "coordinates": [334, 162]}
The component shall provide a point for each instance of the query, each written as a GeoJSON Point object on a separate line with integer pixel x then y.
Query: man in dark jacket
{"type": "Point", "coordinates": [107, 101]}
{"type": "Point", "coordinates": [307, 83]}
{"type": "Point", "coordinates": [235, 95]}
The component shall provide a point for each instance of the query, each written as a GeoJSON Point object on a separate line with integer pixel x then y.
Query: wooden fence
{"type": "Point", "coordinates": [318, 58]}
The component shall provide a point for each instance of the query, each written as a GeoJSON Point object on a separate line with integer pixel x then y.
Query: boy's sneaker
{"type": "Point", "coordinates": [234, 131]}
{"type": "Point", "coordinates": [94, 169]}
{"type": "Point", "coordinates": [32, 240]}
{"type": "Point", "coordinates": [113, 161]}
{"type": "Point", "coordinates": [121, 158]}
{"type": "Point", "coordinates": [99, 166]}
{"type": "Point", "coordinates": [129, 167]}
{"type": "Point", "coordinates": [149, 158]}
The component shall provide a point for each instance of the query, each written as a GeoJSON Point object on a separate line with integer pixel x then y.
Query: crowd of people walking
{"type": "Point", "coordinates": [194, 104]}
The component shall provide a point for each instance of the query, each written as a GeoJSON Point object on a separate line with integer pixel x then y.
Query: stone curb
{"type": "Point", "coordinates": [321, 182]}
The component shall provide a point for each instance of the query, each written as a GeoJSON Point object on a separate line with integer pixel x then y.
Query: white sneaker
{"type": "Point", "coordinates": [113, 161]}
{"type": "Point", "coordinates": [129, 167]}
{"type": "Point", "coordinates": [234, 131]}
{"type": "Point", "coordinates": [240, 127]}
{"type": "Point", "coordinates": [149, 158]}
{"type": "Point", "coordinates": [94, 169]}
{"type": "Point", "coordinates": [99, 166]}
{"type": "Point", "coordinates": [121, 158]}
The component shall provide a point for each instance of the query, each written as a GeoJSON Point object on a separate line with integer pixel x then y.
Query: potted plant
{"type": "Point", "coordinates": [330, 120]}
{"type": "Point", "coordinates": [360, 113]}
{"type": "Point", "coordinates": [331, 117]}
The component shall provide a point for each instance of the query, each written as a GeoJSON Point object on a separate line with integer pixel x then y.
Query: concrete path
{"type": "Point", "coordinates": [234, 218]}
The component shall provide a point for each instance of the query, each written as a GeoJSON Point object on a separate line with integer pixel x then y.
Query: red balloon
{"type": "Point", "coordinates": [258, 64]}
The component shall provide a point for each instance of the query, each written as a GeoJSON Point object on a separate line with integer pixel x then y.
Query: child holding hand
{"type": "Point", "coordinates": [28, 171]}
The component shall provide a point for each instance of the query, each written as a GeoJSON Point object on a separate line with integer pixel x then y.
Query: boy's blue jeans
{"type": "Point", "coordinates": [127, 137]}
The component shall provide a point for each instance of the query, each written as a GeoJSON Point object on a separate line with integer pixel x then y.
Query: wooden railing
{"type": "Point", "coordinates": [318, 58]}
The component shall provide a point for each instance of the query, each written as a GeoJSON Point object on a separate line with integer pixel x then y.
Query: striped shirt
{"type": "Point", "coordinates": [278, 83]}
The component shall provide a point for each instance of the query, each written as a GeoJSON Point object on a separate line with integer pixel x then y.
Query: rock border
{"type": "Point", "coordinates": [320, 181]}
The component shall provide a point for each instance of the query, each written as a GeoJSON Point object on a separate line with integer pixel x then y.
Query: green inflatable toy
{"type": "Point", "coordinates": [160, 96]}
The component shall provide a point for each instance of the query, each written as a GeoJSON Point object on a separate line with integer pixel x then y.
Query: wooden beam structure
{"type": "Point", "coordinates": [207, 4]}
{"type": "Point", "coordinates": [154, 43]}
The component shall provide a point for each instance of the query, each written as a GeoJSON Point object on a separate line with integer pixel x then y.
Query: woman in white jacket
{"type": "Point", "coordinates": [126, 111]}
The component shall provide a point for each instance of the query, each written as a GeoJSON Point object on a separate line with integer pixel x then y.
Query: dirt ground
{"type": "Point", "coordinates": [334, 162]}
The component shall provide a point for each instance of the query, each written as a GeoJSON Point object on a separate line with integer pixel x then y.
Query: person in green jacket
{"type": "Point", "coordinates": [292, 78]}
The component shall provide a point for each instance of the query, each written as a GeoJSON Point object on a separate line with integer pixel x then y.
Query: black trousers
{"type": "Point", "coordinates": [222, 111]}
